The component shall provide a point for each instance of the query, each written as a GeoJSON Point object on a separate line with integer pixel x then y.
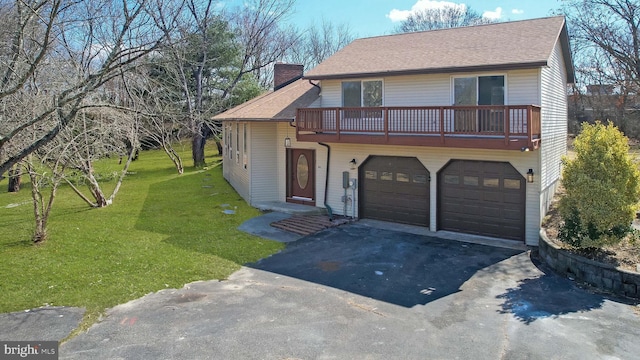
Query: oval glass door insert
{"type": "Point", "coordinates": [302, 171]}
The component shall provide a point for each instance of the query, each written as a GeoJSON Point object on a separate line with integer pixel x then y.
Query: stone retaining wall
{"type": "Point", "coordinates": [602, 276]}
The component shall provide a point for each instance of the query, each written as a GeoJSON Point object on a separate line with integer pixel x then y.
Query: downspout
{"type": "Point", "coordinates": [316, 85]}
{"type": "Point", "coordinates": [326, 181]}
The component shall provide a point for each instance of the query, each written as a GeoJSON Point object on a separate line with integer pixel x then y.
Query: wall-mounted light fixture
{"type": "Point", "coordinates": [530, 176]}
{"type": "Point", "coordinates": [352, 164]}
{"type": "Point", "coordinates": [525, 149]}
{"type": "Point", "coordinates": [287, 142]}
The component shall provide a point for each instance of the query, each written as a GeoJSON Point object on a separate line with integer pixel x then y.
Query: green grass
{"type": "Point", "coordinates": [162, 231]}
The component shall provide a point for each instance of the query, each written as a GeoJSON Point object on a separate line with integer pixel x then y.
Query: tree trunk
{"type": "Point", "coordinates": [15, 179]}
{"type": "Point", "coordinates": [197, 150]}
{"type": "Point", "coordinates": [219, 145]}
{"type": "Point", "coordinates": [197, 145]}
{"type": "Point", "coordinates": [96, 191]}
{"type": "Point", "coordinates": [40, 231]}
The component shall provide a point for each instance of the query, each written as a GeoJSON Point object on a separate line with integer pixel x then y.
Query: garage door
{"type": "Point", "coordinates": [394, 189]}
{"type": "Point", "coordinates": [483, 198]}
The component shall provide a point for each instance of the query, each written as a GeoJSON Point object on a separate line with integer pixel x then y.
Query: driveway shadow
{"type": "Point", "coordinates": [398, 268]}
{"type": "Point", "coordinates": [549, 295]}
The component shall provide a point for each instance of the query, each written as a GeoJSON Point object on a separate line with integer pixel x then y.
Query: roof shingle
{"type": "Point", "coordinates": [499, 46]}
{"type": "Point", "coordinates": [277, 105]}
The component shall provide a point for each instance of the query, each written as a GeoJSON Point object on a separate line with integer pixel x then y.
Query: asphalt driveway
{"type": "Point", "coordinates": [357, 292]}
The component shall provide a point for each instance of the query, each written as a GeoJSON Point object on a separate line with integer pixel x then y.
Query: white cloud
{"type": "Point", "coordinates": [399, 15]}
{"type": "Point", "coordinates": [493, 15]}
{"type": "Point", "coordinates": [517, 11]}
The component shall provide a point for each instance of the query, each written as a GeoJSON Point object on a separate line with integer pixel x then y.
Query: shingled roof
{"type": "Point", "coordinates": [499, 46]}
{"type": "Point", "coordinates": [279, 105]}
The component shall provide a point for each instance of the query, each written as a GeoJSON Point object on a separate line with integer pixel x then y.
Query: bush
{"type": "Point", "coordinates": [602, 188]}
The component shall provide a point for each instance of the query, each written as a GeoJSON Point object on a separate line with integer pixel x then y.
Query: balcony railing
{"type": "Point", "coordinates": [489, 127]}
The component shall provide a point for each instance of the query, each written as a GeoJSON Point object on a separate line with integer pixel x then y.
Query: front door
{"type": "Point", "coordinates": [301, 177]}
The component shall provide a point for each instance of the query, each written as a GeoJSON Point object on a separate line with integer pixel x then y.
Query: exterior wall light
{"type": "Point", "coordinates": [525, 149]}
{"type": "Point", "coordinates": [352, 164]}
{"type": "Point", "coordinates": [530, 176]}
{"type": "Point", "coordinates": [287, 142]}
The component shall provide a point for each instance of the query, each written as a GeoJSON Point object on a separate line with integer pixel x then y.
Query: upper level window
{"type": "Point", "coordinates": [480, 90]}
{"type": "Point", "coordinates": [366, 93]}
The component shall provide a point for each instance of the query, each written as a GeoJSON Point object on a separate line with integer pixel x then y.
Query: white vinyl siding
{"type": "Point", "coordinates": [422, 90]}
{"type": "Point", "coordinates": [331, 93]}
{"type": "Point", "coordinates": [554, 126]}
{"type": "Point", "coordinates": [522, 88]}
{"type": "Point", "coordinates": [264, 169]}
{"type": "Point", "coordinates": [233, 170]}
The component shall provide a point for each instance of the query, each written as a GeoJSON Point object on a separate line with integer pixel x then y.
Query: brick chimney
{"type": "Point", "coordinates": [285, 74]}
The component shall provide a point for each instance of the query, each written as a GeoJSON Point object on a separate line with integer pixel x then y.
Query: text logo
{"type": "Point", "coordinates": [41, 350]}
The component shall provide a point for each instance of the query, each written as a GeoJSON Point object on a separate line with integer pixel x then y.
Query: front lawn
{"type": "Point", "coordinates": [162, 231]}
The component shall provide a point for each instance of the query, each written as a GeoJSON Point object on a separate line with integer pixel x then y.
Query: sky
{"type": "Point", "coordinates": [380, 17]}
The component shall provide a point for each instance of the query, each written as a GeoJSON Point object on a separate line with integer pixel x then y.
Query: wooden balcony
{"type": "Point", "coordinates": [513, 127]}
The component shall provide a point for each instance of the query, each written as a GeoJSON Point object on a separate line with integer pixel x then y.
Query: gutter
{"type": "Point", "coordinates": [453, 69]}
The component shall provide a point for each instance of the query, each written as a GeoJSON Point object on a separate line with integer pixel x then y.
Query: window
{"type": "Point", "coordinates": [370, 174]}
{"type": "Point", "coordinates": [451, 179]}
{"type": "Point", "coordinates": [471, 180]}
{"type": "Point", "coordinates": [402, 177]}
{"type": "Point", "coordinates": [512, 184]}
{"type": "Point", "coordinates": [366, 93]}
{"type": "Point", "coordinates": [244, 145]}
{"type": "Point", "coordinates": [491, 182]}
{"type": "Point", "coordinates": [479, 90]}
{"type": "Point", "coordinates": [372, 93]}
{"type": "Point", "coordinates": [465, 91]}
{"type": "Point", "coordinates": [491, 90]}
{"type": "Point", "coordinates": [351, 94]}
{"type": "Point", "coordinates": [237, 143]}
{"type": "Point", "coordinates": [419, 179]}
{"type": "Point", "coordinates": [229, 144]}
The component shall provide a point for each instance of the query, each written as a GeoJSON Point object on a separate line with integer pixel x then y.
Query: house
{"type": "Point", "coordinates": [458, 130]}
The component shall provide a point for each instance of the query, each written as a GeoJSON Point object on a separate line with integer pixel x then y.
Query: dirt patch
{"type": "Point", "coordinates": [624, 255]}
{"type": "Point", "coordinates": [329, 266]}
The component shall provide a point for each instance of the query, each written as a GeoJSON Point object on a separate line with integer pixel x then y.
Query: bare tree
{"type": "Point", "coordinates": [192, 66]}
{"type": "Point", "coordinates": [44, 175]}
{"type": "Point", "coordinates": [442, 18]}
{"type": "Point", "coordinates": [263, 38]}
{"type": "Point", "coordinates": [159, 116]}
{"type": "Point", "coordinates": [319, 42]}
{"type": "Point", "coordinates": [72, 48]}
{"type": "Point", "coordinates": [215, 56]}
{"type": "Point", "coordinates": [605, 36]}
{"type": "Point", "coordinates": [94, 135]}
